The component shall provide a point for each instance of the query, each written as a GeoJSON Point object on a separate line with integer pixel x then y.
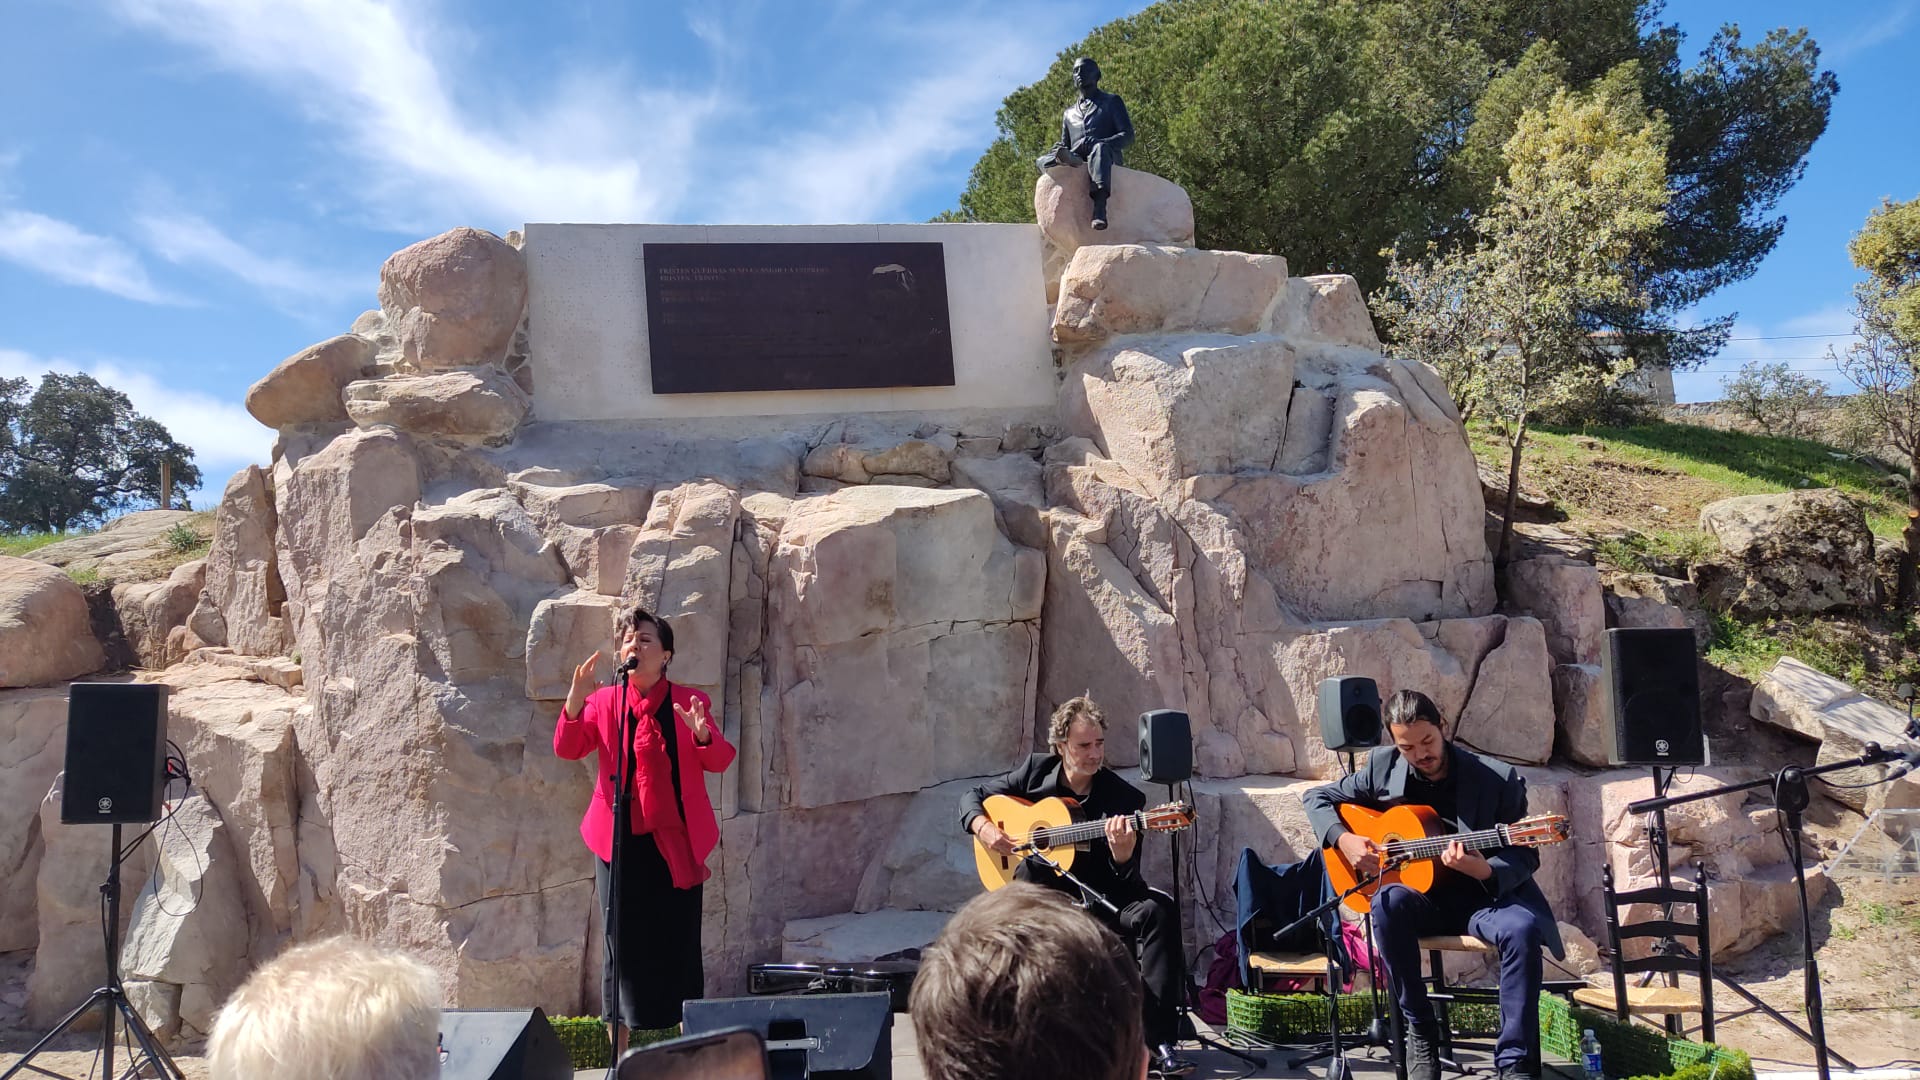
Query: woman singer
{"type": "Point", "coordinates": [671, 829]}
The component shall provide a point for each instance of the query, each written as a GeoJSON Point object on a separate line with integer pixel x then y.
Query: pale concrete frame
{"type": "Point", "coordinates": [588, 322]}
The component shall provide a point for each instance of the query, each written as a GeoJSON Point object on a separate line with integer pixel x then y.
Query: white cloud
{"type": "Point", "coordinates": [188, 239]}
{"type": "Point", "coordinates": [600, 145]}
{"type": "Point", "coordinates": [1801, 342]}
{"type": "Point", "coordinates": [67, 253]}
{"type": "Point", "coordinates": [223, 435]}
{"type": "Point", "coordinates": [367, 69]}
{"type": "Point", "coordinates": [1888, 26]}
{"type": "Point", "coordinates": [864, 159]}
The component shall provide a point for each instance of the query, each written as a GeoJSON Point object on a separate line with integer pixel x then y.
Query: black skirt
{"type": "Point", "coordinates": [660, 965]}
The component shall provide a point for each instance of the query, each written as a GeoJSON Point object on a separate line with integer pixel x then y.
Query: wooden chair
{"type": "Point", "coordinates": [1658, 1000]}
{"type": "Point", "coordinates": [1445, 994]}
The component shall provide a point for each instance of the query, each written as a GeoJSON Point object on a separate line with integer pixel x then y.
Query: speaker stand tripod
{"type": "Point", "coordinates": [110, 999]}
{"type": "Point", "coordinates": [1184, 1018]}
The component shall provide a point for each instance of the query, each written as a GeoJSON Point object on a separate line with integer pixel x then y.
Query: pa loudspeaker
{"type": "Point", "coordinates": [501, 1044]}
{"type": "Point", "coordinates": [1166, 747]}
{"type": "Point", "coordinates": [116, 753]}
{"type": "Point", "coordinates": [1653, 697]}
{"type": "Point", "coordinates": [1349, 712]}
{"type": "Point", "coordinates": [828, 1036]}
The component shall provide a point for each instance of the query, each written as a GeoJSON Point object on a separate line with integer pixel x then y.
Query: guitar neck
{"type": "Point", "coordinates": [1430, 847]}
{"type": "Point", "coordinates": [1083, 831]}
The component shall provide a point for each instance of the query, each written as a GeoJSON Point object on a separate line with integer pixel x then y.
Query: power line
{"type": "Point", "coordinates": [1792, 337]}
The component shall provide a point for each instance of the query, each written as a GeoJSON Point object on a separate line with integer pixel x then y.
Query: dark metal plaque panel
{"type": "Point", "coordinates": [736, 317]}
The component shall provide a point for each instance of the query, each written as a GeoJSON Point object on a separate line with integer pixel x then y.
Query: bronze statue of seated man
{"type": "Point", "coordinates": [1093, 132]}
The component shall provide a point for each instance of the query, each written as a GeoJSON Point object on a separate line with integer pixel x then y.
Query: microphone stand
{"type": "Point", "coordinates": [622, 825]}
{"type": "Point", "coordinates": [1337, 1067]}
{"type": "Point", "coordinates": [1791, 797]}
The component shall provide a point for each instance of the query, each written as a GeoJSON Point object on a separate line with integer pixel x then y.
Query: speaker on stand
{"type": "Point", "coordinates": [1350, 720]}
{"type": "Point", "coordinates": [1652, 681]}
{"type": "Point", "coordinates": [116, 774]}
{"type": "Point", "coordinates": [1166, 757]}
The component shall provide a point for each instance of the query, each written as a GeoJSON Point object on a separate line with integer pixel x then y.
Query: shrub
{"type": "Point", "coordinates": [1779, 400]}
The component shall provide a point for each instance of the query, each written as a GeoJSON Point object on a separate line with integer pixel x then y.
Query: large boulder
{"type": "Point", "coordinates": [69, 950]}
{"type": "Point", "coordinates": [1793, 553]}
{"type": "Point", "coordinates": [1565, 595]}
{"type": "Point", "coordinates": [1142, 209]}
{"type": "Point", "coordinates": [900, 645]}
{"type": "Point", "coordinates": [244, 604]}
{"type": "Point", "coordinates": [124, 547]}
{"type": "Point", "coordinates": [33, 725]}
{"type": "Point", "coordinates": [1797, 698]}
{"type": "Point", "coordinates": [454, 300]}
{"type": "Point", "coordinates": [1329, 307]}
{"type": "Point", "coordinates": [481, 403]}
{"type": "Point", "coordinates": [150, 611]}
{"type": "Point", "coordinates": [1171, 408]}
{"type": "Point", "coordinates": [46, 635]}
{"type": "Point", "coordinates": [1654, 602]}
{"type": "Point", "coordinates": [1151, 289]}
{"type": "Point", "coordinates": [1507, 715]}
{"type": "Point", "coordinates": [1391, 463]}
{"type": "Point", "coordinates": [181, 939]}
{"type": "Point", "coordinates": [305, 387]}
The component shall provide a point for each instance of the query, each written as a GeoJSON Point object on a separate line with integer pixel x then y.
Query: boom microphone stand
{"type": "Point", "coordinates": [1337, 1069]}
{"type": "Point", "coordinates": [1791, 797]}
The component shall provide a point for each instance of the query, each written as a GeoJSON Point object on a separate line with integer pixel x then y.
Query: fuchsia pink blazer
{"type": "Point", "coordinates": [684, 844]}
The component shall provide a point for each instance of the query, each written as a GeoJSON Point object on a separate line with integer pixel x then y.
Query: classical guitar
{"type": "Point", "coordinates": [1412, 838]}
{"type": "Point", "coordinates": [1057, 828]}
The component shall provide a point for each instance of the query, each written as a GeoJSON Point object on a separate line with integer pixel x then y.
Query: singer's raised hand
{"type": "Point", "coordinates": [583, 684]}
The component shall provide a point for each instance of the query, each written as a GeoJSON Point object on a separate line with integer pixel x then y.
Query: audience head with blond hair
{"type": "Point", "coordinates": [337, 1009]}
{"type": "Point", "coordinates": [1022, 984]}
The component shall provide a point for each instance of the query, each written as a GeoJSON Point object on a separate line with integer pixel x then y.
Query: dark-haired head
{"type": "Point", "coordinates": [646, 639]}
{"type": "Point", "coordinates": [1419, 732]}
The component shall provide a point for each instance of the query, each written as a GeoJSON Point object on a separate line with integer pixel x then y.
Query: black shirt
{"type": "Point", "coordinates": [1042, 776]}
{"type": "Point", "coordinates": [1444, 797]}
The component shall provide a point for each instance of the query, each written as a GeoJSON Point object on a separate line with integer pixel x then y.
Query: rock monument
{"type": "Point", "coordinates": [1193, 482]}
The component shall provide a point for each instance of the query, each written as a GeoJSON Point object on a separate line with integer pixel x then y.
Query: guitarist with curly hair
{"type": "Point", "coordinates": [1491, 896]}
{"type": "Point", "coordinates": [1147, 920]}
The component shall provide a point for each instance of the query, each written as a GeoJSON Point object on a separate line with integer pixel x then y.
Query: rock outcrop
{"type": "Point", "coordinates": [1143, 209]}
{"type": "Point", "coordinates": [46, 634]}
{"type": "Point", "coordinates": [1794, 553]}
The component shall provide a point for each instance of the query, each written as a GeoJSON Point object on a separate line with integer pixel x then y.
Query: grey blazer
{"type": "Point", "coordinates": [1490, 793]}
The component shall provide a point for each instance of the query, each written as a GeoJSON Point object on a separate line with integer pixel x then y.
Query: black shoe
{"type": "Point", "coordinates": [1518, 1073]}
{"type": "Point", "coordinates": [1168, 1063]}
{"type": "Point", "coordinates": [1099, 224]}
{"type": "Point", "coordinates": [1099, 212]}
{"type": "Point", "coordinates": [1423, 1055]}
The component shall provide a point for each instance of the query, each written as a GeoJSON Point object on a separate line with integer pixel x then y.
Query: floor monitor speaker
{"type": "Point", "coordinates": [825, 1036]}
{"type": "Point", "coordinates": [501, 1044]}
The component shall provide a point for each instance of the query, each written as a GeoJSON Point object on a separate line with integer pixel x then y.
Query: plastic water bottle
{"type": "Point", "coordinates": [1590, 1056]}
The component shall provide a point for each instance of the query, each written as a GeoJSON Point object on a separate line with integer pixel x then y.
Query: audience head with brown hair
{"type": "Point", "coordinates": [337, 1009]}
{"type": "Point", "coordinates": [1021, 984]}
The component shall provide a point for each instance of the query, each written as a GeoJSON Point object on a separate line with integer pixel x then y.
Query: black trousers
{"type": "Point", "coordinates": [660, 963]}
{"type": "Point", "coordinates": [1150, 925]}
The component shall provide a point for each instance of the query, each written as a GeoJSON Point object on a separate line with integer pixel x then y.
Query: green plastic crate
{"type": "Point", "coordinates": [1635, 1051]}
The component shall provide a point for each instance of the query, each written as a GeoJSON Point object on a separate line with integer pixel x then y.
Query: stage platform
{"type": "Point", "coordinates": [1366, 1063]}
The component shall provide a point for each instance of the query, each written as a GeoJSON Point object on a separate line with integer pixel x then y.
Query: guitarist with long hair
{"type": "Point", "coordinates": [1076, 769]}
{"type": "Point", "coordinates": [1491, 896]}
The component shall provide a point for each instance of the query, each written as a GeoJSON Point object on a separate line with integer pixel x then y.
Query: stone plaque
{"type": "Point", "coordinates": [736, 317]}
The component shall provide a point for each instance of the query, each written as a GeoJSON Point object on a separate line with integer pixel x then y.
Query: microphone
{"type": "Point", "coordinates": [630, 663]}
{"type": "Point", "coordinates": [1909, 761]}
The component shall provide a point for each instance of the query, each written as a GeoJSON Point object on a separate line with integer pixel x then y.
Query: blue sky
{"type": "Point", "coordinates": [191, 190]}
